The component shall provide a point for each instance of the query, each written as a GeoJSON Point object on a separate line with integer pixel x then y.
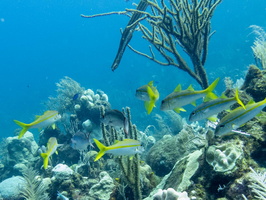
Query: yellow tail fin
{"type": "Point", "coordinates": [102, 149]}
{"type": "Point", "coordinates": [210, 95]}
{"type": "Point", "coordinates": [238, 100]}
{"type": "Point", "coordinates": [45, 160]}
{"type": "Point", "coordinates": [149, 106]}
{"type": "Point", "coordinates": [24, 127]}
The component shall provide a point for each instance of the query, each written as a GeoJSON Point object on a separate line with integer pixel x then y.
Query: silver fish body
{"type": "Point", "coordinates": [238, 117]}
{"type": "Point", "coordinates": [115, 118]}
{"type": "Point", "coordinates": [179, 99]}
{"type": "Point", "coordinates": [80, 141]}
{"type": "Point", "coordinates": [142, 94]}
{"type": "Point", "coordinates": [210, 108]}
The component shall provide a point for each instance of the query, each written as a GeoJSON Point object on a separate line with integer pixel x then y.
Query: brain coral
{"type": "Point", "coordinates": [223, 157]}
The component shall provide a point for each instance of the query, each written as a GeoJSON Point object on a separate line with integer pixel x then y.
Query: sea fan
{"type": "Point", "coordinates": [34, 187]}
{"type": "Point", "coordinates": [259, 45]}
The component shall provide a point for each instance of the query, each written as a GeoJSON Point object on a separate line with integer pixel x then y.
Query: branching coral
{"type": "Point", "coordinates": [259, 46]}
{"type": "Point", "coordinates": [258, 184]}
{"type": "Point", "coordinates": [169, 26]}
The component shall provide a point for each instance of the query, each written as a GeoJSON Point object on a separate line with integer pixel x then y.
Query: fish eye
{"type": "Point", "coordinates": [193, 113]}
{"type": "Point", "coordinates": [222, 125]}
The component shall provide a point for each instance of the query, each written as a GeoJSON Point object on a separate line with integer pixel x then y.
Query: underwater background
{"type": "Point", "coordinates": [43, 41]}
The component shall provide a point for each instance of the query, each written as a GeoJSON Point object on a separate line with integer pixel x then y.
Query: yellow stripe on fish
{"type": "Point", "coordinates": [52, 146]}
{"type": "Point", "coordinates": [47, 119]}
{"type": "Point", "coordinates": [179, 97]}
{"type": "Point", "coordinates": [238, 117]}
{"type": "Point", "coordinates": [124, 147]}
{"type": "Point", "coordinates": [212, 107]}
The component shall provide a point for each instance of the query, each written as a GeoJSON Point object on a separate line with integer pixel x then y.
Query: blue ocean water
{"type": "Point", "coordinates": [43, 41]}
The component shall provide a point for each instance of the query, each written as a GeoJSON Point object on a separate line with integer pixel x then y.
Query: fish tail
{"type": "Point", "coordinates": [45, 157]}
{"type": "Point", "coordinates": [149, 106]}
{"type": "Point", "coordinates": [210, 95]}
{"type": "Point", "coordinates": [102, 149]}
{"type": "Point", "coordinates": [24, 127]}
{"type": "Point", "coordinates": [238, 100]}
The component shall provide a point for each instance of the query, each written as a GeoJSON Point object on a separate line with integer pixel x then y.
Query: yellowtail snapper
{"type": "Point", "coordinates": [179, 97]}
{"type": "Point", "coordinates": [47, 119]}
{"type": "Point", "coordinates": [238, 117]}
{"type": "Point", "coordinates": [115, 118]}
{"type": "Point", "coordinates": [51, 148]}
{"type": "Point", "coordinates": [149, 94]}
{"type": "Point", "coordinates": [119, 148]}
{"type": "Point", "coordinates": [210, 108]}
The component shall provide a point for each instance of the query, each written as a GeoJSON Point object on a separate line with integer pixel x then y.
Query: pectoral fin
{"type": "Point", "coordinates": [178, 110]}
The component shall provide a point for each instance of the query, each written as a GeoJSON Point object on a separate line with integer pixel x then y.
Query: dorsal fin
{"type": "Point", "coordinates": [193, 103]}
{"type": "Point", "coordinates": [150, 83]}
{"type": "Point", "coordinates": [251, 101]}
{"type": "Point", "coordinates": [178, 88]}
{"type": "Point", "coordinates": [190, 88]}
{"type": "Point", "coordinates": [223, 96]}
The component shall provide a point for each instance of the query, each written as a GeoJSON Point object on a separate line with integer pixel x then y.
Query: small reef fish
{"type": "Point", "coordinates": [238, 117]}
{"type": "Point", "coordinates": [212, 107]}
{"type": "Point", "coordinates": [61, 197]}
{"type": "Point", "coordinates": [80, 141]}
{"type": "Point", "coordinates": [115, 118]}
{"type": "Point", "coordinates": [51, 148]}
{"type": "Point", "coordinates": [149, 94]}
{"type": "Point", "coordinates": [120, 148]}
{"type": "Point", "coordinates": [76, 96]}
{"type": "Point", "coordinates": [179, 97]}
{"type": "Point", "coordinates": [47, 119]}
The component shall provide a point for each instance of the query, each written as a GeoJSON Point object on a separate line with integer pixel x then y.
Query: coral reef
{"type": "Point", "coordinates": [185, 157]}
{"type": "Point", "coordinates": [164, 153]}
{"type": "Point", "coordinates": [104, 188]}
{"type": "Point", "coordinates": [170, 194]}
{"type": "Point", "coordinates": [67, 88]}
{"type": "Point", "coordinates": [255, 83]}
{"type": "Point", "coordinates": [19, 154]}
{"type": "Point", "coordinates": [258, 184]}
{"type": "Point", "coordinates": [223, 157]}
{"type": "Point", "coordinates": [10, 188]}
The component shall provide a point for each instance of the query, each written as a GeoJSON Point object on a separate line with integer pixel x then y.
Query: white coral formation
{"type": "Point", "coordinates": [224, 157]}
{"type": "Point", "coordinates": [103, 189]}
{"type": "Point", "coordinates": [170, 194]}
{"type": "Point", "coordinates": [62, 172]}
{"type": "Point", "coordinates": [89, 98]}
{"type": "Point", "coordinates": [258, 184]}
{"type": "Point", "coordinates": [87, 126]}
